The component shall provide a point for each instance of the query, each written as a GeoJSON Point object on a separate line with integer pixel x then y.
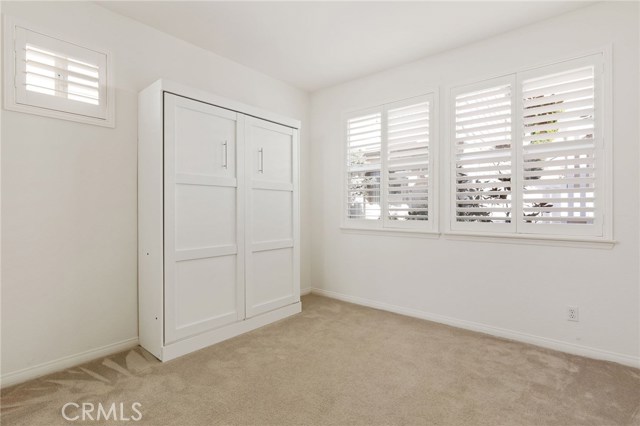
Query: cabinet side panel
{"type": "Point", "coordinates": [296, 214]}
{"type": "Point", "coordinates": [150, 220]}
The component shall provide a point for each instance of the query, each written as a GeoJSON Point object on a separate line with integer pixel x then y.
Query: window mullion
{"type": "Point", "coordinates": [517, 178]}
{"type": "Point", "coordinates": [384, 154]}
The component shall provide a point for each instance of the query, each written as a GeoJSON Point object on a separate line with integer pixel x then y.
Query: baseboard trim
{"type": "Point", "coordinates": [36, 371]}
{"type": "Point", "coordinates": [305, 291]}
{"type": "Point", "coordinates": [488, 329]}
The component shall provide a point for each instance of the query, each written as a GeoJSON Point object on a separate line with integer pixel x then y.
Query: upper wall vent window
{"type": "Point", "coordinates": [48, 76]}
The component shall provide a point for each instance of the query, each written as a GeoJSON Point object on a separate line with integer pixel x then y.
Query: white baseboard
{"type": "Point", "coordinates": [29, 373]}
{"type": "Point", "coordinates": [544, 342]}
{"type": "Point", "coordinates": [305, 291]}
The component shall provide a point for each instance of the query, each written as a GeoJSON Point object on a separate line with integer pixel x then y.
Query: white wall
{"type": "Point", "coordinates": [69, 277]}
{"type": "Point", "coordinates": [514, 290]}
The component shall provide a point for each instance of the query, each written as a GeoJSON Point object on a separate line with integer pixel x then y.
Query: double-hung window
{"type": "Point", "coordinates": [389, 166]}
{"type": "Point", "coordinates": [527, 152]}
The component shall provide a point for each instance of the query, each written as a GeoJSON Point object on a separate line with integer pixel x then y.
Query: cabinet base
{"type": "Point", "coordinates": [200, 341]}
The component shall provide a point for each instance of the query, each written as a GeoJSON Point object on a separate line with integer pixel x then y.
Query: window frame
{"type": "Point", "coordinates": [601, 60]}
{"type": "Point", "coordinates": [384, 224]}
{"type": "Point", "coordinates": [47, 105]}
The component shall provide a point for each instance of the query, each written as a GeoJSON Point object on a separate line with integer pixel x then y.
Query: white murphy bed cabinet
{"type": "Point", "coordinates": [218, 219]}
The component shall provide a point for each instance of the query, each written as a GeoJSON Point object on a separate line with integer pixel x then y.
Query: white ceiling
{"type": "Point", "coordinates": [313, 45]}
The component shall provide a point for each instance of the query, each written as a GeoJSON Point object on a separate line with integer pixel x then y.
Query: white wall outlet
{"type": "Point", "coordinates": [572, 313]}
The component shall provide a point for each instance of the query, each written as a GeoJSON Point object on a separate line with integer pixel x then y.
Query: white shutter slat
{"type": "Point", "coordinates": [404, 167]}
{"type": "Point", "coordinates": [482, 218]}
{"type": "Point", "coordinates": [471, 113]}
{"type": "Point", "coordinates": [551, 80]}
{"type": "Point", "coordinates": [494, 155]}
{"type": "Point", "coordinates": [412, 138]}
{"type": "Point", "coordinates": [471, 122]}
{"type": "Point", "coordinates": [472, 146]}
{"type": "Point", "coordinates": [412, 134]}
{"type": "Point", "coordinates": [535, 101]}
{"type": "Point", "coordinates": [558, 116]}
{"type": "Point", "coordinates": [466, 176]}
{"type": "Point", "coordinates": [499, 137]}
{"type": "Point", "coordinates": [538, 172]}
{"type": "Point", "coordinates": [476, 169]}
{"type": "Point", "coordinates": [482, 185]}
{"type": "Point", "coordinates": [555, 125]}
{"type": "Point", "coordinates": [33, 65]}
{"type": "Point", "coordinates": [414, 124]}
{"type": "Point", "coordinates": [562, 86]}
{"type": "Point", "coordinates": [485, 130]}
{"type": "Point", "coordinates": [407, 119]}
{"type": "Point", "coordinates": [570, 105]}
{"type": "Point", "coordinates": [576, 151]}
{"type": "Point", "coordinates": [407, 162]}
{"type": "Point", "coordinates": [563, 162]}
{"type": "Point", "coordinates": [553, 136]}
{"type": "Point", "coordinates": [483, 202]}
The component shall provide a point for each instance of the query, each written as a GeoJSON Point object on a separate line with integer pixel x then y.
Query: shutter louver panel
{"type": "Point", "coordinates": [57, 75]}
{"type": "Point", "coordinates": [61, 79]}
{"type": "Point", "coordinates": [482, 155]}
{"type": "Point", "coordinates": [559, 148]}
{"type": "Point", "coordinates": [364, 148]}
{"type": "Point", "coordinates": [408, 162]}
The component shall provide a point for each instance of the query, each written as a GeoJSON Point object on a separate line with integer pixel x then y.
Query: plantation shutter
{"type": "Point", "coordinates": [561, 163]}
{"type": "Point", "coordinates": [482, 156]}
{"type": "Point", "coordinates": [58, 75]}
{"type": "Point", "coordinates": [364, 165]}
{"type": "Point", "coordinates": [408, 162]}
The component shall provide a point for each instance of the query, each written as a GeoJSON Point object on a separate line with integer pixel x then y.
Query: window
{"type": "Point", "coordinates": [389, 166]}
{"type": "Point", "coordinates": [52, 77]}
{"type": "Point", "coordinates": [483, 154]}
{"type": "Point", "coordinates": [527, 152]}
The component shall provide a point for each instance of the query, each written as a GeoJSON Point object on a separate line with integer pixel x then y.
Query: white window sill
{"type": "Point", "coordinates": [527, 239]}
{"type": "Point", "coordinates": [390, 232]}
{"type": "Point", "coordinates": [546, 240]}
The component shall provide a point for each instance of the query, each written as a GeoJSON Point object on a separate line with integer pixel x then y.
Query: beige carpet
{"type": "Point", "coordinates": [342, 364]}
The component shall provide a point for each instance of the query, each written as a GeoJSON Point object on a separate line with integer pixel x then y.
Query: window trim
{"type": "Point", "coordinates": [385, 226]}
{"type": "Point", "coordinates": [10, 91]}
{"type": "Point", "coordinates": [606, 83]}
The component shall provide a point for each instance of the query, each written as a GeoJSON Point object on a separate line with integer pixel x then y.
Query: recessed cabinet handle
{"type": "Point", "coordinates": [261, 160]}
{"type": "Point", "coordinates": [225, 158]}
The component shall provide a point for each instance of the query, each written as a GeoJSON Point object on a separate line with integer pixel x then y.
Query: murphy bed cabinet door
{"type": "Point", "coordinates": [203, 238]}
{"type": "Point", "coordinates": [272, 225]}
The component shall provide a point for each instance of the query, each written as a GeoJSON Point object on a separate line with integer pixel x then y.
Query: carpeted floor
{"type": "Point", "coordinates": [342, 364]}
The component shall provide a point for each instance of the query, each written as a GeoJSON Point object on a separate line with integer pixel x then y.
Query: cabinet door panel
{"type": "Point", "coordinates": [272, 215]}
{"type": "Point", "coordinates": [205, 300]}
{"type": "Point", "coordinates": [207, 140]}
{"type": "Point", "coordinates": [272, 237]}
{"type": "Point", "coordinates": [271, 152]}
{"type": "Point", "coordinates": [205, 216]}
{"type": "Point", "coordinates": [204, 244]}
{"type": "Point", "coordinates": [273, 278]}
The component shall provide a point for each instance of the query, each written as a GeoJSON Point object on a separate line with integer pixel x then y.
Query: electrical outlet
{"type": "Point", "coordinates": [572, 313]}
